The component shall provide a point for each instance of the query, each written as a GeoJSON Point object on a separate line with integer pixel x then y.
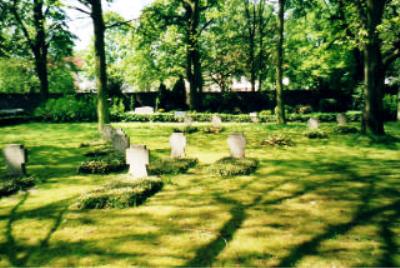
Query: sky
{"type": "Point", "coordinates": [81, 25]}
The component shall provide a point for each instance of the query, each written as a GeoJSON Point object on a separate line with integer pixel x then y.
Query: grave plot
{"type": "Point", "coordinates": [16, 177]}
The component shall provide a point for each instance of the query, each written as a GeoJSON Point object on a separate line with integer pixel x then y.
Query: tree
{"type": "Point", "coordinates": [42, 25]}
{"type": "Point", "coordinates": [280, 106]}
{"type": "Point", "coordinates": [376, 58]}
{"type": "Point", "coordinates": [93, 8]}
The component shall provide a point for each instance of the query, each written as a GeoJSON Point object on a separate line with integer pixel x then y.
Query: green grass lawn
{"type": "Point", "coordinates": [333, 202]}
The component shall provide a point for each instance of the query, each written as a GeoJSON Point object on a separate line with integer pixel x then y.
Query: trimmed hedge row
{"type": "Point", "coordinates": [10, 186]}
{"type": "Point", "coordinates": [352, 116]}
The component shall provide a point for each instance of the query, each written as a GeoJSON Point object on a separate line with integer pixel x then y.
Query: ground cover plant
{"type": "Point", "coordinates": [102, 160]}
{"type": "Point", "coordinates": [120, 194]}
{"type": "Point", "coordinates": [10, 185]}
{"type": "Point", "coordinates": [171, 166]}
{"type": "Point", "coordinates": [330, 202]}
{"type": "Point", "coordinates": [229, 166]}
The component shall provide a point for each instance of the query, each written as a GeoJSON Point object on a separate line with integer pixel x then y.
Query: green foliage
{"type": "Point", "coordinates": [117, 107]}
{"type": "Point", "coordinates": [316, 134]}
{"type": "Point", "coordinates": [390, 103]}
{"type": "Point", "coordinates": [10, 185]}
{"type": "Point", "coordinates": [67, 109]}
{"type": "Point", "coordinates": [343, 130]}
{"type": "Point", "coordinates": [171, 166]}
{"type": "Point", "coordinates": [278, 140]}
{"type": "Point", "coordinates": [102, 162]}
{"type": "Point", "coordinates": [229, 166]}
{"type": "Point", "coordinates": [17, 76]}
{"type": "Point", "coordinates": [121, 194]}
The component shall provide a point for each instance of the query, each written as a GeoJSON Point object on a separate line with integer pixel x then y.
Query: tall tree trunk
{"type": "Point", "coordinates": [251, 21]}
{"type": "Point", "coordinates": [193, 68]}
{"type": "Point", "coordinates": [261, 44]}
{"type": "Point", "coordinates": [280, 106]}
{"type": "Point", "coordinates": [39, 48]}
{"type": "Point", "coordinates": [374, 71]}
{"type": "Point", "coordinates": [100, 64]}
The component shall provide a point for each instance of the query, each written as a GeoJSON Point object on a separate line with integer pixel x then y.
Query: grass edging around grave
{"type": "Point", "coordinates": [229, 166]}
{"type": "Point", "coordinates": [9, 186]}
{"type": "Point", "coordinates": [121, 194]}
{"type": "Point", "coordinates": [171, 166]}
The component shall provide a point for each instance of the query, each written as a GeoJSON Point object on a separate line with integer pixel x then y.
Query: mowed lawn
{"type": "Point", "coordinates": [325, 203]}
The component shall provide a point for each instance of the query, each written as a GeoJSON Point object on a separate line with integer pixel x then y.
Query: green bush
{"type": "Point", "coordinates": [343, 130]}
{"type": "Point", "coordinates": [278, 140]}
{"type": "Point", "coordinates": [390, 107]}
{"type": "Point", "coordinates": [102, 163]}
{"type": "Point", "coordinates": [171, 166]}
{"type": "Point", "coordinates": [316, 134]}
{"type": "Point", "coordinates": [10, 185]}
{"type": "Point", "coordinates": [229, 166]}
{"type": "Point", "coordinates": [212, 130]}
{"type": "Point", "coordinates": [67, 109]}
{"type": "Point", "coordinates": [121, 194]}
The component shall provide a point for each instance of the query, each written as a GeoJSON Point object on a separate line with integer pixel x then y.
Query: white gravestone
{"type": "Point", "coordinates": [254, 117]}
{"type": "Point", "coordinates": [341, 119]}
{"type": "Point", "coordinates": [137, 157]}
{"type": "Point", "coordinates": [144, 110]}
{"type": "Point", "coordinates": [16, 159]}
{"type": "Point", "coordinates": [120, 141]}
{"type": "Point", "coordinates": [237, 145]}
{"type": "Point", "coordinates": [216, 121]}
{"type": "Point", "coordinates": [313, 124]}
{"type": "Point", "coordinates": [178, 145]}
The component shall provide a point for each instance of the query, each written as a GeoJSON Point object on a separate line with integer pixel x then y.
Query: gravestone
{"type": "Point", "coordinates": [216, 122]}
{"type": "Point", "coordinates": [341, 119]}
{"type": "Point", "coordinates": [16, 158]}
{"type": "Point", "coordinates": [178, 145]}
{"type": "Point", "coordinates": [120, 140]}
{"type": "Point", "coordinates": [313, 124]}
{"type": "Point", "coordinates": [144, 110]}
{"type": "Point", "coordinates": [237, 145]}
{"type": "Point", "coordinates": [254, 117]}
{"type": "Point", "coordinates": [188, 121]}
{"type": "Point", "coordinates": [107, 132]}
{"type": "Point", "coordinates": [137, 157]}
{"type": "Point", "coordinates": [180, 115]}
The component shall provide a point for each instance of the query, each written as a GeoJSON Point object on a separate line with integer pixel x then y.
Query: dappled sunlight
{"type": "Point", "coordinates": [318, 203]}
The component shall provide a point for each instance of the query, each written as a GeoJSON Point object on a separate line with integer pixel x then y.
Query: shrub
{"type": "Point", "coordinates": [121, 194]}
{"type": "Point", "coordinates": [10, 185]}
{"type": "Point", "coordinates": [171, 166]}
{"type": "Point", "coordinates": [186, 129]}
{"type": "Point", "coordinates": [102, 163]}
{"type": "Point", "coordinates": [229, 166]}
{"type": "Point", "coordinates": [304, 109]}
{"type": "Point", "coordinates": [212, 130]}
{"type": "Point", "coordinates": [342, 130]}
{"type": "Point", "coordinates": [278, 140]}
{"type": "Point", "coordinates": [117, 107]}
{"type": "Point", "coordinates": [67, 109]}
{"type": "Point", "coordinates": [316, 134]}
{"type": "Point", "coordinates": [390, 107]}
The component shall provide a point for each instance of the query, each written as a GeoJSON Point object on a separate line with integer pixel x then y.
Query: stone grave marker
{"type": "Point", "coordinates": [107, 132]}
{"type": "Point", "coordinates": [137, 157]}
{"type": "Point", "coordinates": [237, 145]}
{"type": "Point", "coordinates": [313, 124]}
{"type": "Point", "coordinates": [341, 119]}
{"type": "Point", "coordinates": [254, 117]}
{"type": "Point", "coordinates": [188, 121]}
{"type": "Point", "coordinates": [16, 158]}
{"type": "Point", "coordinates": [177, 142]}
{"type": "Point", "coordinates": [120, 141]}
{"type": "Point", "coordinates": [180, 115]}
{"type": "Point", "coordinates": [144, 110]}
{"type": "Point", "coordinates": [216, 122]}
